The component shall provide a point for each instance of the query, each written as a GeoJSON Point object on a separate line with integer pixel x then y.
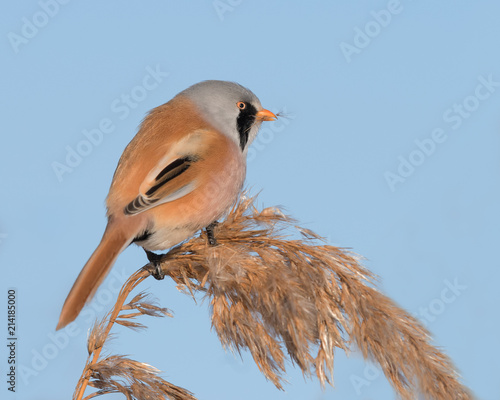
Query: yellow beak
{"type": "Point", "coordinates": [265, 115]}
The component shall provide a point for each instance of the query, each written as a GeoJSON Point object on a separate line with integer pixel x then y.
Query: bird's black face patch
{"type": "Point", "coordinates": [244, 122]}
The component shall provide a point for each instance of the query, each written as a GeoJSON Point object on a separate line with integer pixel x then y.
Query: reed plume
{"type": "Point", "coordinates": [281, 297]}
{"type": "Point", "coordinates": [117, 373]}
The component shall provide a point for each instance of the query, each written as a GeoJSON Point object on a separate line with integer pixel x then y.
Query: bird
{"type": "Point", "coordinates": [183, 170]}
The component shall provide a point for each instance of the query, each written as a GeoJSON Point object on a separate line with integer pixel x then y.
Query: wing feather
{"type": "Point", "coordinates": [165, 187]}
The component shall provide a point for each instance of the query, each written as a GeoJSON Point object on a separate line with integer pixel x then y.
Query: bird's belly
{"type": "Point", "coordinates": [165, 237]}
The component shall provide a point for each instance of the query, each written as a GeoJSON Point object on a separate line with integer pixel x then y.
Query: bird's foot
{"type": "Point", "coordinates": [210, 233]}
{"type": "Point", "coordinates": [155, 261]}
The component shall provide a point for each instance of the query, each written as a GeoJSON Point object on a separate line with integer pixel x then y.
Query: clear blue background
{"type": "Point", "coordinates": [353, 117]}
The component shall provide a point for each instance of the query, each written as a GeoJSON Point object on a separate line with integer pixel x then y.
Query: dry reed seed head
{"type": "Point", "coordinates": [261, 299]}
{"type": "Point", "coordinates": [144, 305]}
{"type": "Point", "coordinates": [134, 379]}
{"type": "Point", "coordinates": [269, 293]}
{"type": "Point", "coordinates": [96, 336]}
{"type": "Point", "coordinates": [136, 326]}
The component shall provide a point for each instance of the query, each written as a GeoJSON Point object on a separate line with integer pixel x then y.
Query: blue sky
{"type": "Point", "coordinates": [391, 149]}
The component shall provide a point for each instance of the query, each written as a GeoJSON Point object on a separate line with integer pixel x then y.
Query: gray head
{"type": "Point", "coordinates": [230, 108]}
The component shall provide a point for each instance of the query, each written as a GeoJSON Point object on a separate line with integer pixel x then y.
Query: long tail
{"type": "Point", "coordinates": [113, 242]}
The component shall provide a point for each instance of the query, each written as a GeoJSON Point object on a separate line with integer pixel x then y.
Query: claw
{"type": "Point", "coordinates": [155, 261]}
{"type": "Point", "coordinates": [210, 233]}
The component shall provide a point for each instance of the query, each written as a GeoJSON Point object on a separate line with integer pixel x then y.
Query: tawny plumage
{"type": "Point", "coordinates": [181, 172]}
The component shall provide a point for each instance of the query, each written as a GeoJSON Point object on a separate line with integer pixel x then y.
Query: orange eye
{"type": "Point", "coordinates": [241, 105]}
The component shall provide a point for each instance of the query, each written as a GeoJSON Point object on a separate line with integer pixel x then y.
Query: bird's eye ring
{"type": "Point", "coordinates": [241, 105]}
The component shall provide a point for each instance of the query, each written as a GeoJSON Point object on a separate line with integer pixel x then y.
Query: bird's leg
{"type": "Point", "coordinates": [210, 233]}
{"type": "Point", "coordinates": [155, 260]}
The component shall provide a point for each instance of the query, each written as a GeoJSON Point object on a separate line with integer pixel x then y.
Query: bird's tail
{"type": "Point", "coordinates": [113, 242]}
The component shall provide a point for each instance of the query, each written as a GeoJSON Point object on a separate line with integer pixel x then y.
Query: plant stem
{"type": "Point", "coordinates": [130, 285]}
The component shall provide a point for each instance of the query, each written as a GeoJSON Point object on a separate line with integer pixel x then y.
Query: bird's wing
{"type": "Point", "coordinates": [173, 177]}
